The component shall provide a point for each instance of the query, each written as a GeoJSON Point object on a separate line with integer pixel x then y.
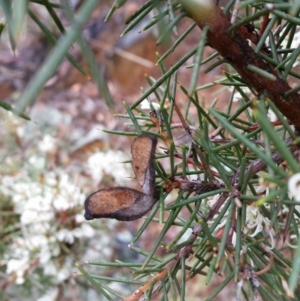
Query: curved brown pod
{"type": "Point", "coordinates": [143, 153]}
{"type": "Point", "coordinates": [122, 203]}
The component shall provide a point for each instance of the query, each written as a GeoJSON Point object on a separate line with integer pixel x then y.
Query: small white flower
{"type": "Point", "coordinates": [79, 218]}
{"type": "Point", "coordinates": [64, 180]}
{"type": "Point", "coordinates": [254, 219]}
{"type": "Point", "coordinates": [50, 268]}
{"type": "Point", "coordinates": [294, 186]}
{"type": "Point", "coordinates": [8, 181]}
{"type": "Point", "coordinates": [51, 179]}
{"type": "Point", "coordinates": [20, 277]}
{"type": "Point", "coordinates": [272, 116]}
{"type": "Point", "coordinates": [61, 204]}
{"type": "Point", "coordinates": [78, 232]}
{"type": "Point", "coordinates": [94, 167]}
{"type": "Point", "coordinates": [115, 167]}
{"type": "Point", "coordinates": [63, 274]}
{"type": "Point", "coordinates": [109, 163]}
{"type": "Point", "coordinates": [21, 132]}
{"type": "Point", "coordinates": [145, 105]}
{"type": "Point", "coordinates": [44, 256]}
{"type": "Point", "coordinates": [65, 235]}
{"type": "Point", "coordinates": [38, 162]}
{"type": "Point", "coordinates": [47, 144]}
{"type": "Point", "coordinates": [263, 184]}
{"type": "Point", "coordinates": [36, 242]}
{"type": "Point", "coordinates": [37, 209]}
{"type": "Point", "coordinates": [18, 266]}
{"type": "Point", "coordinates": [84, 231]}
{"type": "Point", "coordinates": [14, 265]}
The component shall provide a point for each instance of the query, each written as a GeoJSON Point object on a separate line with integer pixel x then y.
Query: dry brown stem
{"type": "Point", "coordinates": [155, 279]}
{"type": "Point", "coordinates": [236, 50]}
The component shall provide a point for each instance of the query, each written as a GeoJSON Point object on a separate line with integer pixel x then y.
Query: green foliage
{"type": "Point", "coordinates": [245, 226]}
{"type": "Point", "coordinates": [228, 205]}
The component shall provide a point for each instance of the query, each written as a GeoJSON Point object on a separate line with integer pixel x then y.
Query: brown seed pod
{"type": "Point", "coordinates": [143, 153]}
{"type": "Point", "coordinates": [121, 203]}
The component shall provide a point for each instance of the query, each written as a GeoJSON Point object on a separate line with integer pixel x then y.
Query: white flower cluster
{"type": "Point", "coordinates": [49, 208]}
{"type": "Point", "coordinates": [109, 163]}
{"type": "Point", "coordinates": [255, 221]}
{"type": "Point", "coordinates": [45, 207]}
{"type": "Point", "coordinates": [50, 216]}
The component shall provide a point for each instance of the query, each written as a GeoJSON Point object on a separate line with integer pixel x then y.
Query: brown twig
{"type": "Point", "coordinates": [264, 23]}
{"type": "Point", "coordinates": [208, 172]}
{"type": "Point", "coordinates": [266, 268]}
{"type": "Point", "coordinates": [192, 186]}
{"type": "Point", "coordinates": [153, 280]}
{"type": "Point", "coordinates": [236, 50]}
{"type": "Point", "coordinates": [188, 160]}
